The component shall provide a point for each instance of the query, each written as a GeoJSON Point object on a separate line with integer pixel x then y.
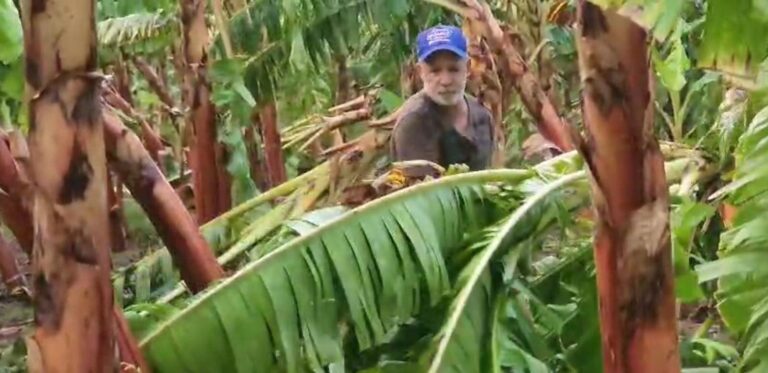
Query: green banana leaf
{"type": "Point", "coordinates": [460, 341]}
{"type": "Point", "coordinates": [351, 281]}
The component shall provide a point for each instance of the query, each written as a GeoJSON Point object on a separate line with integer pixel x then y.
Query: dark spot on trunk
{"type": "Point", "coordinates": [32, 73]}
{"type": "Point", "coordinates": [46, 313]}
{"type": "Point", "coordinates": [38, 6]}
{"type": "Point", "coordinates": [642, 280]}
{"type": "Point", "coordinates": [82, 253]}
{"type": "Point", "coordinates": [87, 109]}
{"type": "Point", "coordinates": [148, 176]}
{"type": "Point", "coordinates": [77, 178]}
{"type": "Point", "coordinates": [593, 21]}
{"type": "Point", "coordinates": [196, 91]}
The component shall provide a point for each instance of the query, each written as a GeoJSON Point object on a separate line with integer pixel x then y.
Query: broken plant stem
{"type": "Point", "coordinates": [339, 148]}
{"type": "Point", "coordinates": [155, 83]}
{"type": "Point", "coordinates": [332, 123]}
{"type": "Point", "coordinates": [190, 251]}
{"type": "Point", "coordinates": [299, 203]}
{"type": "Point", "coordinates": [281, 190]}
{"type": "Point", "coordinates": [351, 104]}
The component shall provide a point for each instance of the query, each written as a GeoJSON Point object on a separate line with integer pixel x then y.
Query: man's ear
{"type": "Point", "coordinates": [421, 68]}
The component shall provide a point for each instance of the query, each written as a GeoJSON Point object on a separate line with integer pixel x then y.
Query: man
{"type": "Point", "coordinates": [441, 123]}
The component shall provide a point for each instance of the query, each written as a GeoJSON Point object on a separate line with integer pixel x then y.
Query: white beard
{"type": "Point", "coordinates": [448, 100]}
{"type": "Point", "coordinates": [444, 100]}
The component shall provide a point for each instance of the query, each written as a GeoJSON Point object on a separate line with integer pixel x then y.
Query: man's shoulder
{"type": "Point", "coordinates": [480, 112]}
{"type": "Point", "coordinates": [416, 105]}
{"type": "Point", "coordinates": [414, 110]}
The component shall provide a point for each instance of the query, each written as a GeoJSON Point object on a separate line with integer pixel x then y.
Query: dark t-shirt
{"type": "Point", "coordinates": [424, 132]}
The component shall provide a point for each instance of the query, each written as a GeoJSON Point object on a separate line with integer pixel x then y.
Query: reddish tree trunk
{"type": "Point", "coordinates": [273, 152]}
{"type": "Point", "coordinates": [343, 93]}
{"type": "Point", "coordinates": [152, 140]}
{"type": "Point", "coordinates": [632, 244]}
{"type": "Point", "coordinates": [211, 180]}
{"type": "Point", "coordinates": [154, 81]}
{"type": "Point", "coordinates": [190, 251]}
{"type": "Point", "coordinates": [12, 209]}
{"type": "Point", "coordinates": [255, 164]}
{"type": "Point", "coordinates": [9, 268]}
{"type": "Point", "coordinates": [128, 349]}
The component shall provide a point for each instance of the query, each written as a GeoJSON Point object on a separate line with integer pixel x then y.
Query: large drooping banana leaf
{"type": "Point", "coordinates": [741, 270]}
{"type": "Point", "coordinates": [353, 280]}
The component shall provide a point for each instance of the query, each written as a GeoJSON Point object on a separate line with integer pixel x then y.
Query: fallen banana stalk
{"type": "Point", "coordinates": [155, 261]}
{"type": "Point", "coordinates": [332, 123]}
{"type": "Point", "coordinates": [297, 204]}
{"type": "Point", "coordinates": [354, 103]}
{"type": "Point", "coordinates": [339, 148]}
{"type": "Point", "coordinates": [311, 128]}
{"type": "Point", "coordinates": [325, 125]}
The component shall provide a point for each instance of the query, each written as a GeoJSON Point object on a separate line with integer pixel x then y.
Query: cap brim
{"type": "Point", "coordinates": [440, 48]}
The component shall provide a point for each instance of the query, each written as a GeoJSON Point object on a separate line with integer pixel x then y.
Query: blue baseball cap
{"type": "Point", "coordinates": [441, 38]}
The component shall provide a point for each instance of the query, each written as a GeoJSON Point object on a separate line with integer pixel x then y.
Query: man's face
{"type": "Point", "coordinates": [444, 75]}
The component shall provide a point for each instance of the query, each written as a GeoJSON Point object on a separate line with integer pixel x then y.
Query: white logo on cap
{"type": "Point", "coordinates": [438, 36]}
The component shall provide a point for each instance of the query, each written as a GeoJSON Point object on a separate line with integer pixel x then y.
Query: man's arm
{"type": "Point", "coordinates": [414, 139]}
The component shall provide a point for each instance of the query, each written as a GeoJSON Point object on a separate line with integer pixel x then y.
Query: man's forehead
{"type": "Point", "coordinates": [443, 57]}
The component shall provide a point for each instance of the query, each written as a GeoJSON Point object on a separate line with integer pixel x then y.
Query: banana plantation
{"type": "Point", "coordinates": [208, 186]}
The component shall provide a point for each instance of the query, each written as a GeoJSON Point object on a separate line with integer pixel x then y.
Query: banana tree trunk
{"type": "Point", "coordinates": [211, 180]}
{"type": "Point", "coordinates": [632, 243]}
{"type": "Point", "coordinates": [273, 152]}
{"type": "Point", "coordinates": [73, 298]}
{"type": "Point", "coordinates": [155, 82]}
{"type": "Point", "coordinates": [255, 163]}
{"type": "Point", "coordinates": [190, 251]}
{"type": "Point", "coordinates": [343, 93]}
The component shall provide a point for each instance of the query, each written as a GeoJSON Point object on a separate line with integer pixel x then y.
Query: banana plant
{"type": "Point", "coordinates": [741, 292]}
